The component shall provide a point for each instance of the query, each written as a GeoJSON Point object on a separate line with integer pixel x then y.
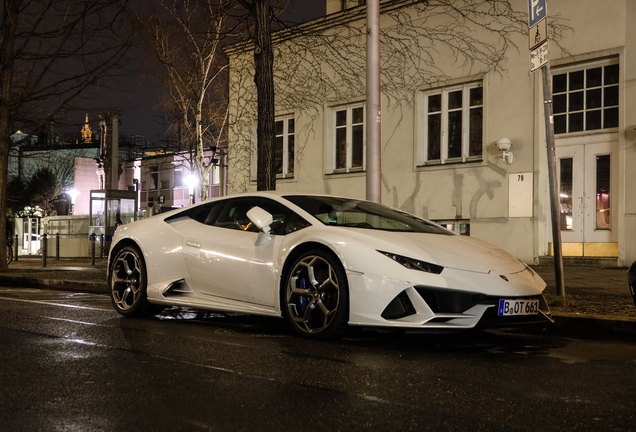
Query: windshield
{"type": "Point", "coordinates": [334, 211]}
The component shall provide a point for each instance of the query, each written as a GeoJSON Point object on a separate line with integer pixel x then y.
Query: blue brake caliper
{"type": "Point", "coordinates": [303, 299]}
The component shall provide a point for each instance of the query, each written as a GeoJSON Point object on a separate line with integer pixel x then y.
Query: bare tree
{"type": "Point", "coordinates": [186, 38]}
{"type": "Point", "coordinates": [53, 54]}
{"type": "Point", "coordinates": [61, 162]}
{"type": "Point", "coordinates": [324, 62]}
{"type": "Point", "coordinates": [263, 15]}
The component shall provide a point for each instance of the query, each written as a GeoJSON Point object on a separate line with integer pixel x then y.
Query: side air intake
{"type": "Point", "coordinates": [399, 307]}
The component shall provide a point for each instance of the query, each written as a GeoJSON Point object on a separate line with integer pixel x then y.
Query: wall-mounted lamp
{"type": "Point", "coordinates": [504, 145]}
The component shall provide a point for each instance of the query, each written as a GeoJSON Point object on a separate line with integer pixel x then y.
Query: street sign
{"type": "Point", "coordinates": [539, 56]}
{"type": "Point", "coordinates": [537, 11]}
{"type": "Point", "coordinates": [538, 34]}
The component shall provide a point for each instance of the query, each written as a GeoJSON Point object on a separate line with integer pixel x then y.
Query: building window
{"type": "Point", "coordinates": [349, 145]}
{"type": "Point", "coordinates": [178, 179]}
{"type": "Point", "coordinates": [461, 227]}
{"type": "Point", "coordinates": [346, 4]}
{"type": "Point", "coordinates": [154, 181]}
{"type": "Point", "coordinates": [565, 192]}
{"type": "Point", "coordinates": [284, 146]}
{"type": "Point", "coordinates": [453, 124]}
{"type": "Point", "coordinates": [215, 175]}
{"type": "Point", "coordinates": [165, 185]}
{"type": "Point", "coordinates": [603, 192]}
{"type": "Point", "coordinates": [585, 98]}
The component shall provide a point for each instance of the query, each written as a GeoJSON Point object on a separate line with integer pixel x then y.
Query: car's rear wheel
{"type": "Point", "coordinates": [316, 295]}
{"type": "Point", "coordinates": [127, 280]}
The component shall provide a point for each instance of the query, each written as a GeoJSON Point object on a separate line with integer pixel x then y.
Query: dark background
{"type": "Point", "coordinates": [142, 94]}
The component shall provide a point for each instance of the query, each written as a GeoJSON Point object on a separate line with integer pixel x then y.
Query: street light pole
{"type": "Point", "coordinates": [552, 184]}
{"type": "Point", "coordinates": [373, 119]}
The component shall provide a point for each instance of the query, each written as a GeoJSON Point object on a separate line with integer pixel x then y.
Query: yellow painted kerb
{"type": "Point", "coordinates": [587, 250]}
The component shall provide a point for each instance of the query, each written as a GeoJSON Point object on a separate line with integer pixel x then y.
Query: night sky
{"type": "Point", "coordinates": [138, 119]}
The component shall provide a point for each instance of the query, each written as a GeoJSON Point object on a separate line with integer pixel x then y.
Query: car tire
{"type": "Point", "coordinates": [315, 296]}
{"type": "Point", "coordinates": [127, 281]}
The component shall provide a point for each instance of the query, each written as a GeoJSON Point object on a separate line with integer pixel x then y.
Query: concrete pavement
{"type": "Point", "coordinates": [597, 298]}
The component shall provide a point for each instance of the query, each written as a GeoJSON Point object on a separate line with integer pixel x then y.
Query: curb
{"type": "Point", "coordinates": [594, 324]}
{"type": "Point", "coordinates": [56, 284]}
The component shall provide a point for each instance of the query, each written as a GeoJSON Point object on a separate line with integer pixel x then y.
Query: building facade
{"type": "Point", "coordinates": [450, 93]}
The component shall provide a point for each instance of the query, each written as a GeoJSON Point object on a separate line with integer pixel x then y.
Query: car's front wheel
{"type": "Point", "coordinates": [316, 295]}
{"type": "Point", "coordinates": [127, 280]}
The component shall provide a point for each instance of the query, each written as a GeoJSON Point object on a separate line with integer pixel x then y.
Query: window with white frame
{"type": "Point", "coordinates": [453, 124]}
{"type": "Point", "coordinates": [349, 145]}
{"type": "Point", "coordinates": [215, 175]}
{"type": "Point", "coordinates": [284, 146]}
{"type": "Point", "coordinates": [585, 97]}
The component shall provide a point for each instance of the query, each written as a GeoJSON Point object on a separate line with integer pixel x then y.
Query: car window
{"type": "Point", "coordinates": [352, 213]}
{"type": "Point", "coordinates": [207, 213]}
{"type": "Point", "coordinates": [233, 215]}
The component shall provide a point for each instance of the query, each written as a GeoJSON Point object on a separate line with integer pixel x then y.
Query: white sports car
{"type": "Point", "coordinates": [323, 262]}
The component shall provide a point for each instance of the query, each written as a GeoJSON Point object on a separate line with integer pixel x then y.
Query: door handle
{"type": "Point", "coordinates": [195, 245]}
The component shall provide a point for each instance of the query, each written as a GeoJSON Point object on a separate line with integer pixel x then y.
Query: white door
{"type": "Point", "coordinates": [228, 264]}
{"type": "Point", "coordinates": [586, 178]}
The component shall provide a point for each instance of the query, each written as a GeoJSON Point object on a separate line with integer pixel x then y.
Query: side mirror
{"type": "Point", "coordinates": [260, 218]}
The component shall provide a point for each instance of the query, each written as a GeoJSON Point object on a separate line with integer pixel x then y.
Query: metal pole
{"type": "Point", "coordinates": [373, 119]}
{"type": "Point", "coordinates": [554, 196]}
{"type": "Point", "coordinates": [101, 246]}
{"type": "Point", "coordinates": [221, 173]}
{"type": "Point", "coordinates": [15, 255]}
{"type": "Point", "coordinates": [57, 246]}
{"type": "Point", "coordinates": [44, 249]}
{"type": "Point", "coordinates": [92, 249]}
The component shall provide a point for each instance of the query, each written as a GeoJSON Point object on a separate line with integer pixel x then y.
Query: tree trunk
{"type": "Point", "coordinates": [264, 79]}
{"type": "Point", "coordinates": [9, 25]}
{"type": "Point", "coordinates": [202, 167]}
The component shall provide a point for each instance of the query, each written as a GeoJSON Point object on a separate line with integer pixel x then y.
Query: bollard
{"type": "Point", "coordinates": [92, 249]}
{"type": "Point", "coordinates": [57, 246]}
{"type": "Point", "coordinates": [101, 247]}
{"type": "Point", "coordinates": [15, 254]}
{"type": "Point", "coordinates": [44, 249]}
{"type": "Point", "coordinates": [631, 280]}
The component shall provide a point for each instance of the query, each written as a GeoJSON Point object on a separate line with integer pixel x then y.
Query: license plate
{"type": "Point", "coordinates": [518, 307]}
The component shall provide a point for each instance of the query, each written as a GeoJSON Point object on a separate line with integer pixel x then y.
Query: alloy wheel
{"type": "Point", "coordinates": [313, 294]}
{"type": "Point", "coordinates": [126, 282]}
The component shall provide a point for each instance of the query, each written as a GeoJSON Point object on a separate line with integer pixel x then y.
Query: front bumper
{"type": "Point", "coordinates": [452, 300]}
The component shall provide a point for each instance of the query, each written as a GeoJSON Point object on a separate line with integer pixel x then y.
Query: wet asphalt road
{"type": "Point", "coordinates": [69, 362]}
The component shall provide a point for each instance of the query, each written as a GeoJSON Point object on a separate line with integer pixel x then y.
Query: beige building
{"type": "Point", "coordinates": [451, 89]}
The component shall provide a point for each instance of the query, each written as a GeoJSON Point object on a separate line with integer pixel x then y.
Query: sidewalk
{"type": "Point", "coordinates": [597, 298]}
{"type": "Point", "coordinates": [72, 274]}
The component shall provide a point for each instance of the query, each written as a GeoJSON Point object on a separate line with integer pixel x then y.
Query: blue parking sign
{"type": "Point", "coordinates": [536, 11]}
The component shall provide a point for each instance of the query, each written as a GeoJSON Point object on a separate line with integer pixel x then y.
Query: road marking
{"type": "Point", "coordinates": [57, 304]}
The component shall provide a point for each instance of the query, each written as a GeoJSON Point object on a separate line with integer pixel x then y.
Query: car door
{"type": "Point", "coordinates": [223, 258]}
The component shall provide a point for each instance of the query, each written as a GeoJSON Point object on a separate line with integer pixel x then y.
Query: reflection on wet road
{"type": "Point", "coordinates": [70, 362]}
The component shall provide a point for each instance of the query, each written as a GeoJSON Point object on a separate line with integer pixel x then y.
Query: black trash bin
{"type": "Point", "coordinates": [631, 279]}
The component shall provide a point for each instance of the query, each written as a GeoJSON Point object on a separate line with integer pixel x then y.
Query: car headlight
{"type": "Point", "coordinates": [414, 264]}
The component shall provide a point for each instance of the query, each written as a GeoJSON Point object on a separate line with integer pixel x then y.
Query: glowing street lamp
{"type": "Point", "coordinates": [192, 180]}
{"type": "Point", "coordinates": [73, 193]}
